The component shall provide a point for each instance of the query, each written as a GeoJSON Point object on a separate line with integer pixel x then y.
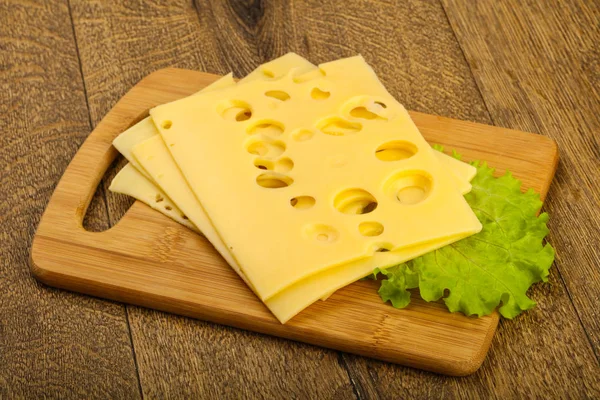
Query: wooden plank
{"type": "Point", "coordinates": [120, 42]}
{"type": "Point", "coordinates": [52, 343]}
{"type": "Point", "coordinates": [149, 260]}
{"type": "Point", "coordinates": [551, 87]}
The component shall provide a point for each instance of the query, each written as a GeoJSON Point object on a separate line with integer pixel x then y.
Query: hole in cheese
{"type": "Point", "coordinates": [302, 202]}
{"type": "Point", "coordinates": [278, 94]}
{"type": "Point", "coordinates": [167, 124]}
{"type": "Point", "coordinates": [268, 74]}
{"type": "Point", "coordinates": [271, 180]}
{"type": "Point", "coordinates": [284, 165]}
{"type": "Point", "coordinates": [234, 110]}
{"type": "Point", "coordinates": [243, 115]}
{"type": "Point", "coordinates": [302, 135]}
{"type": "Point", "coordinates": [382, 247]}
{"type": "Point", "coordinates": [319, 94]}
{"type": "Point", "coordinates": [263, 164]}
{"type": "Point", "coordinates": [321, 233]}
{"type": "Point", "coordinates": [409, 187]}
{"type": "Point", "coordinates": [337, 126]}
{"type": "Point", "coordinates": [363, 113]}
{"type": "Point", "coordinates": [355, 201]}
{"type": "Point", "coordinates": [265, 147]}
{"type": "Point", "coordinates": [266, 127]}
{"type": "Point", "coordinates": [370, 228]}
{"type": "Point", "coordinates": [395, 151]}
{"type": "Point", "coordinates": [281, 166]}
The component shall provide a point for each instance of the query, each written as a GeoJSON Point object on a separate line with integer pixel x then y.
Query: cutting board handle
{"type": "Point", "coordinates": [74, 192]}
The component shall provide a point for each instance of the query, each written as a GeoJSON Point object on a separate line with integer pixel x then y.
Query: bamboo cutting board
{"type": "Point", "coordinates": [149, 260]}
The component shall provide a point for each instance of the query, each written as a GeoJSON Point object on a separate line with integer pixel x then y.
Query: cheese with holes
{"type": "Point", "coordinates": [139, 185]}
{"type": "Point", "coordinates": [145, 129]}
{"type": "Point", "coordinates": [131, 182]}
{"type": "Point", "coordinates": [156, 160]}
{"type": "Point", "coordinates": [153, 157]}
{"type": "Point", "coordinates": [310, 173]}
{"type": "Point", "coordinates": [303, 293]}
{"type": "Point", "coordinates": [279, 67]}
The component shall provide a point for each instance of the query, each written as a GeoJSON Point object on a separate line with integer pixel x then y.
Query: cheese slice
{"type": "Point", "coordinates": [289, 302]}
{"type": "Point", "coordinates": [131, 182]}
{"type": "Point", "coordinates": [139, 132]}
{"type": "Point", "coordinates": [280, 67]}
{"type": "Point", "coordinates": [145, 129]}
{"type": "Point", "coordinates": [302, 293]}
{"type": "Point", "coordinates": [292, 236]}
{"type": "Point", "coordinates": [154, 158]}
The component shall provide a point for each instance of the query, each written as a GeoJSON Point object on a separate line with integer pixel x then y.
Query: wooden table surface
{"type": "Point", "coordinates": [533, 66]}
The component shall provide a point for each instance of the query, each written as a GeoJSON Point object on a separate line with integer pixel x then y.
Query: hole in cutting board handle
{"type": "Point", "coordinates": [107, 208]}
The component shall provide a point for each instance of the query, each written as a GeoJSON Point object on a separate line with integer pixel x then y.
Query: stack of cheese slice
{"type": "Point", "coordinates": [304, 178]}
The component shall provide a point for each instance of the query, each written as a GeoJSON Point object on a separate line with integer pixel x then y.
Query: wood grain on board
{"type": "Point", "coordinates": [53, 344]}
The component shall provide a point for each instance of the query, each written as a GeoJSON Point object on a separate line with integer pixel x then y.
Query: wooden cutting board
{"type": "Point", "coordinates": [148, 260]}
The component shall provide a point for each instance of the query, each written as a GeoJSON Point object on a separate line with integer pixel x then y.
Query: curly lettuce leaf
{"type": "Point", "coordinates": [395, 287]}
{"type": "Point", "coordinates": [496, 266]}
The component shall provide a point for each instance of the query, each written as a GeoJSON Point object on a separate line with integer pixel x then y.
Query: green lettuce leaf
{"type": "Point", "coordinates": [496, 266]}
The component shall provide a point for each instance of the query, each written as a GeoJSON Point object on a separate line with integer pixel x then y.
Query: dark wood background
{"type": "Point", "coordinates": [528, 65]}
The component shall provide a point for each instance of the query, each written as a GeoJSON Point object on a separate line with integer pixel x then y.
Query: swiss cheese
{"type": "Point", "coordinates": [131, 182]}
{"type": "Point", "coordinates": [301, 294]}
{"type": "Point", "coordinates": [239, 151]}
{"type": "Point", "coordinates": [154, 158]}
{"type": "Point", "coordinates": [145, 129]}
{"type": "Point", "coordinates": [139, 132]}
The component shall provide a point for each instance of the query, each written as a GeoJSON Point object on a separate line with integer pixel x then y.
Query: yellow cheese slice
{"type": "Point", "coordinates": [139, 132]}
{"type": "Point", "coordinates": [154, 158]}
{"type": "Point", "coordinates": [145, 129]}
{"type": "Point", "coordinates": [279, 67]}
{"type": "Point", "coordinates": [284, 244]}
{"type": "Point", "coordinates": [298, 297]}
{"type": "Point", "coordinates": [131, 182]}
{"type": "Point", "coordinates": [461, 172]}
{"type": "Point", "coordinates": [295, 298]}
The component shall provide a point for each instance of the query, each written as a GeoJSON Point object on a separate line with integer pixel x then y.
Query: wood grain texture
{"type": "Point", "coordinates": [538, 67]}
{"type": "Point", "coordinates": [120, 42]}
{"type": "Point", "coordinates": [149, 260]}
{"type": "Point", "coordinates": [52, 344]}
{"type": "Point", "coordinates": [525, 57]}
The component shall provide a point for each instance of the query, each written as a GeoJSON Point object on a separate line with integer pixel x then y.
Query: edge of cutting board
{"type": "Point", "coordinates": [139, 260]}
